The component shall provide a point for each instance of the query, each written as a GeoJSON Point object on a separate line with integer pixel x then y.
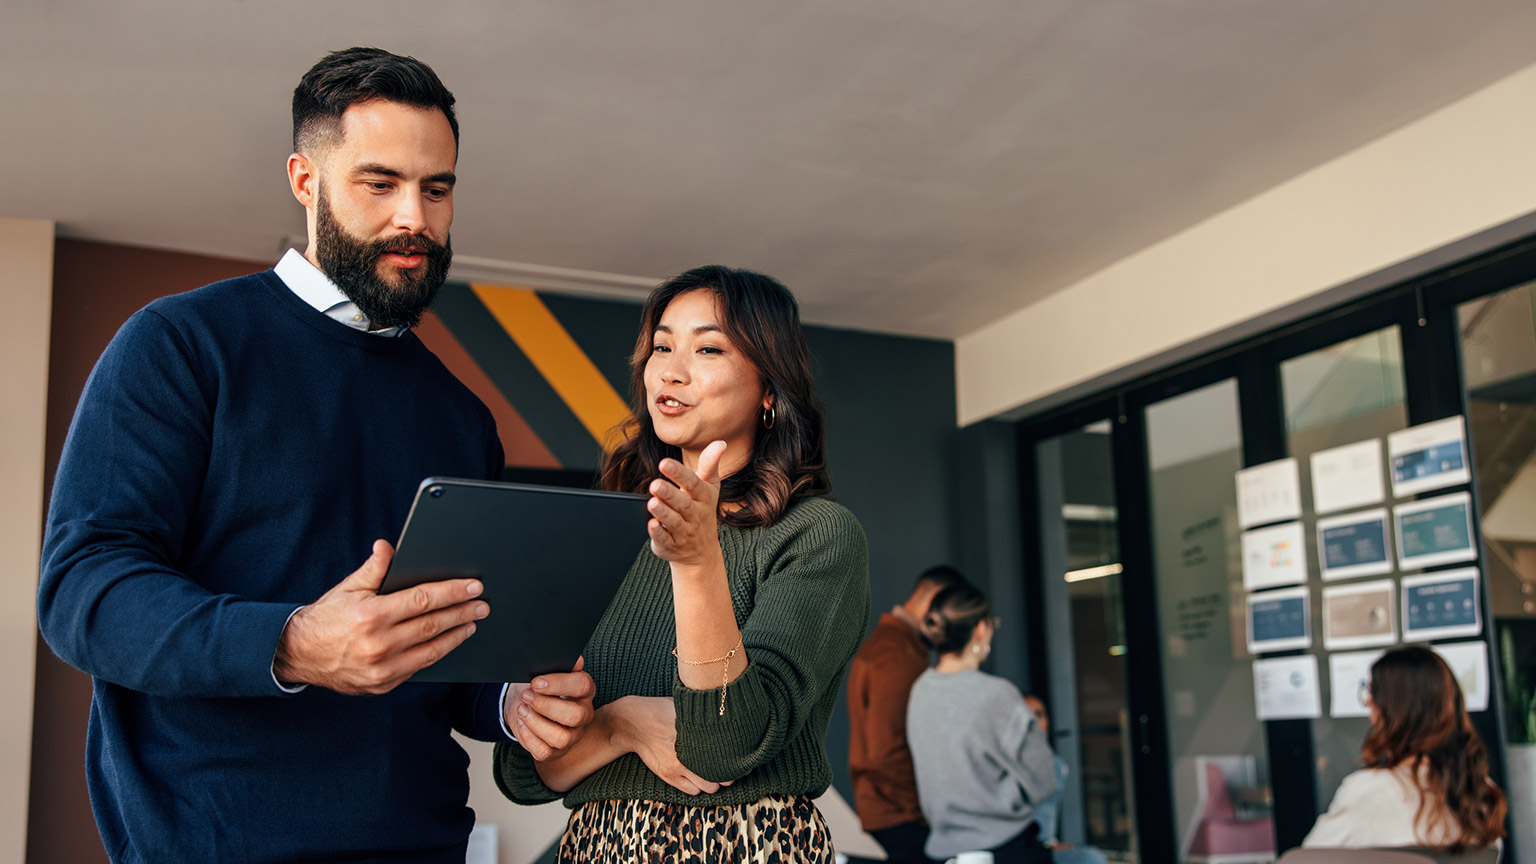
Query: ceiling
{"type": "Point", "coordinates": [907, 166]}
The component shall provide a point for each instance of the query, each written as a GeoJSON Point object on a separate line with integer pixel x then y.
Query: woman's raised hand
{"type": "Point", "coordinates": [684, 516]}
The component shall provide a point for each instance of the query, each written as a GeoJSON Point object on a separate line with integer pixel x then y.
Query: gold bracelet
{"type": "Point", "coordinates": [725, 677]}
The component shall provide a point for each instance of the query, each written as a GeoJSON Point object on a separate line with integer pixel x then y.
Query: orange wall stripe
{"type": "Point", "coordinates": [558, 358]}
{"type": "Point", "coordinates": [520, 443]}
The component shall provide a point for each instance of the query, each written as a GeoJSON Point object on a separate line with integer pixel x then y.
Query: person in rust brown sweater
{"type": "Point", "coordinates": [879, 681]}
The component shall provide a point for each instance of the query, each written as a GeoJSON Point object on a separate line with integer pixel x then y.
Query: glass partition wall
{"type": "Point", "coordinates": [1345, 393]}
{"type": "Point", "coordinates": [1498, 351]}
{"type": "Point", "coordinates": [1085, 615]}
{"type": "Point", "coordinates": [1144, 564]}
{"type": "Point", "coordinates": [1215, 744]}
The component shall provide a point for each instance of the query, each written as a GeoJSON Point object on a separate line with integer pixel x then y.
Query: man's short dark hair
{"type": "Point", "coordinates": [941, 575]}
{"type": "Point", "coordinates": [344, 78]}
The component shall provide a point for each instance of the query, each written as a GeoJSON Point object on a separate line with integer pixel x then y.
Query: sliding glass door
{"type": "Point", "coordinates": [1498, 352]}
{"type": "Point", "coordinates": [1085, 627]}
{"type": "Point", "coordinates": [1215, 745]}
{"type": "Point", "coordinates": [1345, 393]}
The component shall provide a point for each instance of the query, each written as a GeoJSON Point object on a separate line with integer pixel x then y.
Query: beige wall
{"type": "Point", "coordinates": [26, 283]}
{"type": "Point", "coordinates": [1462, 170]}
{"type": "Point", "coordinates": [524, 834]}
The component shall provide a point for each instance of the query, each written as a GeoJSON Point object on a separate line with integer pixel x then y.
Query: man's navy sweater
{"type": "Point", "coordinates": [234, 455]}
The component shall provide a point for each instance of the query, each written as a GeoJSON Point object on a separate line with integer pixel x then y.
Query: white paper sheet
{"type": "Point", "coordinates": [1348, 476]}
{"type": "Point", "coordinates": [1274, 556]}
{"type": "Point", "coordinates": [1442, 605]}
{"type": "Point", "coordinates": [1359, 614]}
{"type": "Point", "coordinates": [1268, 493]}
{"type": "Point", "coordinates": [1434, 531]}
{"type": "Point", "coordinates": [1349, 681]}
{"type": "Point", "coordinates": [1354, 544]}
{"type": "Point", "coordinates": [1431, 456]}
{"type": "Point", "coordinates": [1279, 620]}
{"type": "Point", "coordinates": [1285, 688]}
{"type": "Point", "coordinates": [1469, 662]}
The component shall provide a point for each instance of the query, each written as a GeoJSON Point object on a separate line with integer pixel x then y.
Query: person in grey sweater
{"type": "Point", "coordinates": [981, 759]}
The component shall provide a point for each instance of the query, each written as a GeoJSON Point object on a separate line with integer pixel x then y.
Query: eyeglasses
{"type": "Point", "coordinates": [997, 623]}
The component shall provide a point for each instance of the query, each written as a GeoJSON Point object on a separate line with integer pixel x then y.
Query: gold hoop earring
{"type": "Point", "coordinates": [770, 416]}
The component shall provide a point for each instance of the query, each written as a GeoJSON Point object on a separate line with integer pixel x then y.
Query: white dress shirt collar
{"type": "Point", "coordinates": [315, 288]}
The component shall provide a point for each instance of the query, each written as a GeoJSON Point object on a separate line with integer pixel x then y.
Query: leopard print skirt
{"type": "Point", "coordinates": [776, 829]}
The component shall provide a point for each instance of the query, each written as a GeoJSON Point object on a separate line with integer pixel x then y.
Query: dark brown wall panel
{"type": "Point", "coordinates": [96, 286]}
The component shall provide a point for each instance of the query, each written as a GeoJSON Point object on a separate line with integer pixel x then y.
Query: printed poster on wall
{"type": "Point", "coordinates": [1285, 688]}
{"type": "Point", "coordinates": [1434, 531]}
{"type": "Point", "coordinates": [1268, 493]}
{"type": "Point", "coordinates": [1359, 615]}
{"type": "Point", "coordinates": [1431, 456]}
{"type": "Point", "coordinates": [1279, 620]}
{"type": "Point", "coordinates": [1354, 544]}
{"type": "Point", "coordinates": [1469, 663]}
{"type": "Point", "coordinates": [1348, 476]}
{"type": "Point", "coordinates": [1274, 556]}
{"type": "Point", "coordinates": [1349, 682]}
{"type": "Point", "coordinates": [1441, 605]}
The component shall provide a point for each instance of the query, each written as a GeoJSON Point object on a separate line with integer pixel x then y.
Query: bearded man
{"type": "Point", "coordinates": [236, 451]}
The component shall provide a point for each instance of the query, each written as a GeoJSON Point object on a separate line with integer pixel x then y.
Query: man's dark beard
{"type": "Point", "coordinates": [353, 265]}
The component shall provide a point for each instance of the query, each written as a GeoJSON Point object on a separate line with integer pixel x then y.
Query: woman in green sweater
{"type": "Point", "coordinates": [717, 664]}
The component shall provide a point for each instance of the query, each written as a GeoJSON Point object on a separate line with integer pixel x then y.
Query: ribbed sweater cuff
{"type": "Point", "coordinates": [247, 643]}
{"type": "Point", "coordinates": [518, 778]}
{"type": "Point", "coordinates": [718, 746]}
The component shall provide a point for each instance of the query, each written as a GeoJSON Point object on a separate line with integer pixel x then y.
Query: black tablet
{"type": "Point", "coordinates": [550, 559]}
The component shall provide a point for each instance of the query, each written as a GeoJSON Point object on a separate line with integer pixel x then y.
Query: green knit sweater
{"type": "Point", "coordinates": [800, 588]}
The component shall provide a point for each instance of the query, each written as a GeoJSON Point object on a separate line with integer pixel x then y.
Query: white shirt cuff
{"type": "Point", "coordinates": [297, 688]}
{"type": "Point", "coordinates": [505, 726]}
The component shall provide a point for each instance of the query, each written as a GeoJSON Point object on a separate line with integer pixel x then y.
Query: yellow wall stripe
{"type": "Point", "coordinates": [558, 358]}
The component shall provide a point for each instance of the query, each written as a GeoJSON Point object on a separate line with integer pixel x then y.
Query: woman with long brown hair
{"type": "Point", "coordinates": [718, 662]}
{"type": "Point", "coordinates": [1426, 777]}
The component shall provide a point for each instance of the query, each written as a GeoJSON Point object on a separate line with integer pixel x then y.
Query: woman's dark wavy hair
{"type": "Point", "coordinates": [953, 615]}
{"type": "Point", "coordinates": [762, 319]}
{"type": "Point", "coordinates": [1422, 720]}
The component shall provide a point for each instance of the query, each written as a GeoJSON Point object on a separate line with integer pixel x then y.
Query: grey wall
{"type": "Point", "coordinates": [986, 518]}
{"type": "Point", "coordinates": [891, 436]}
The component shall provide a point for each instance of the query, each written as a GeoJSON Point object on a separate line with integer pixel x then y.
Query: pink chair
{"type": "Point", "coordinates": [1219, 836]}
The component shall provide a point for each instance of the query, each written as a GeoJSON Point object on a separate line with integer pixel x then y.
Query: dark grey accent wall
{"type": "Point", "coordinates": [986, 515]}
{"type": "Point", "coordinates": [890, 404]}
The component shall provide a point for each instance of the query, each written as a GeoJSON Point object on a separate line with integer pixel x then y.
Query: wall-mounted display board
{"type": "Point", "coordinates": [1354, 544]}
{"type": "Point", "coordinates": [1274, 556]}
{"type": "Point", "coordinates": [1434, 531]}
{"type": "Point", "coordinates": [1441, 605]}
{"type": "Point", "coordinates": [1348, 476]}
{"type": "Point", "coordinates": [1268, 493]}
{"type": "Point", "coordinates": [1431, 456]}
{"type": "Point", "coordinates": [1279, 620]}
{"type": "Point", "coordinates": [1359, 614]}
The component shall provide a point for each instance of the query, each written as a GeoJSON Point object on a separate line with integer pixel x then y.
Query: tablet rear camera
{"type": "Point", "coordinates": [436, 491]}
